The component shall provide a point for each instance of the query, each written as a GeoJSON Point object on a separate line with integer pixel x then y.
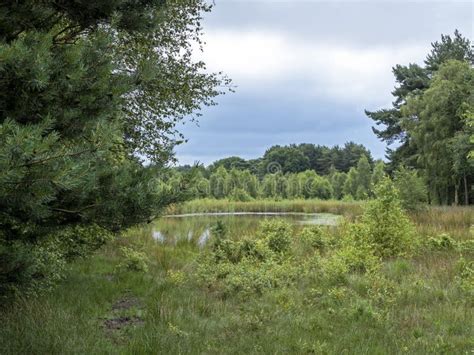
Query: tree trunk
{"type": "Point", "coordinates": [456, 194]}
{"type": "Point", "coordinates": [466, 192]}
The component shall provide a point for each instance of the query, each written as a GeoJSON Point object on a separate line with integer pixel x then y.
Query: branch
{"type": "Point", "coordinates": [54, 157]}
{"type": "Point", "coordinates": [73, 212]}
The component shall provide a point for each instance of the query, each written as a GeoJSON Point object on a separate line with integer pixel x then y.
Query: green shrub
{"type": "Point", "coordinates": [248, 277]}
{"type": "Point", "coordinates": [34, 267]}
{"type": "Point", "coordinates": [251, 264]}
{"type": "Point", "coordinates": [80, 241]}
{"type": "Point", "coordinates": [314, 237]}
{"type": "Point", "coordinates": [386, 226]}
{"type": "Point", "coordinates": [253, 249]}
{"type": "Point", "coordinates": [334, 269]}
{"type": "Point", "coordinates": [466, 246]}
{"type": "Point", "coordinates": [465, 275]}
{"type": "Point", "coordinates": [358, 259]}
{"type": "Point", "coordinates": [28, 268]}
{"type": "Point", "coordinates": [277, 234]}
{"type": "Point", "coordinates": [133, 260]}
{"type": "Point", "coordinates": [442, 242]}
{"type": "Point", "coordinates": [219, 230]}
{"type": "Point", "coordinates": [354, 255]}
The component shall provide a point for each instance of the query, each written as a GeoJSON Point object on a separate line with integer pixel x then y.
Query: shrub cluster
{"type": "Point", "coordinates": [133, 260]}
{"type": "Point", "coordinates": [31, 268]}
{"type": "Point", "coordinates": [250, 265]}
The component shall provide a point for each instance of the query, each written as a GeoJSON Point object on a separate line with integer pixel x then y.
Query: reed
{"type": "Point", "coordinates": [347, 209]}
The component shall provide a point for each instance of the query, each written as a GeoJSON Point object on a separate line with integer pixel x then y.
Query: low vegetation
{"type": "Point", "coordinates": [384, 283]}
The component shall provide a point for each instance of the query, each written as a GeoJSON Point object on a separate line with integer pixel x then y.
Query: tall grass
{"type": "Point", "coordinates": [348, 209]}
{"type": "Point", "coordinates": [458, 221]}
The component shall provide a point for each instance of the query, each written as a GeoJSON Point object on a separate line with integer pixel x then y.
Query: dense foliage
{"type": "Point", "coordinates": [359, 183]}
{"type": "Point", "coordinates": [86, 89]}
{"type": "Point", "coordinates": [295, 159]}
{"type": "Point", "coordinates": [430, 119]}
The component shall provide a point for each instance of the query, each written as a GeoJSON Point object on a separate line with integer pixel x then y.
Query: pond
{"type": "Point", "coordinates": [196, 228]}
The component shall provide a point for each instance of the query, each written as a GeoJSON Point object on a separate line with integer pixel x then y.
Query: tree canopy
{"type": "Point", "coordinates": [429, 119]}
{"type": "Point", "coordinates": [89, 89]}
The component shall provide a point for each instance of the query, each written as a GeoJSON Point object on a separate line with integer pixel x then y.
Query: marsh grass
{"type": "Point", "coordinates": [458, 222]}
{"type": "Point", "coordinates": [414, 305]}
{"type": "Point", "coordinates": [347, 209]}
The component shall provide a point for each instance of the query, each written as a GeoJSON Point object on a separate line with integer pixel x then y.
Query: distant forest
{"type": "Point", "coordinates": [304, 171]}
{"type": "Point", "coordinates": [294, 159]}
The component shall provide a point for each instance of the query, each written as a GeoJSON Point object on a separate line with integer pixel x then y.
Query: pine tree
{"type": "Point", "coordinates": [86, 91]}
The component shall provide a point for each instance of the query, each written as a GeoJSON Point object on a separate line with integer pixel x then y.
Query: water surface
{"type": "Point", "coordinates": [196, 228]}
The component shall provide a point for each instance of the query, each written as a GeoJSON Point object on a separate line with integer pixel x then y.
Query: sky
{"type": "Point", "coordinates": [304, 71]}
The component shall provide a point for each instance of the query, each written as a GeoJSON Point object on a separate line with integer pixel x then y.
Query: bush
{"type": "Point", "coordinates": [34, 267]}
{"type": "Point", "coordinates": [442, 242]}
{"type": "Point", "coordinates": [353, 255]}
{"type": "Point", "coordinates": [386, 226]}
{"type": "Point", "coordinates": [219, 230]}
{"type": "Point", "coordinates": [248, 277]}
{"type": "Point", "coordinates": [334, 269]}
{"type": "Point", "coordinates": [277, 234]}
{"type": "Point", "coordinates": [318, 187]}
{"type": "Point", "coordinates": [133, 260]}
{"type": "Point", "coordinates": [465, 275]}
{"type": "Point", "coordinates": [314, 237]}
{"type": "Point", "coordinates": [28, 268]}
{"type": "Point", "coordinates": [80, 241]}
{"type": "Point", "coordinates": [250, 265]}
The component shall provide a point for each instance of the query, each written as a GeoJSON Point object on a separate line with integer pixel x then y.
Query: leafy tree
{"type": "Point", "coordinates": [411, 188]}
{"type": "Point", "coordinates": [250, 183]}
{"type": "Point", "coordinates": [229, 164]}
{"type": "Point", "coordinates": [87, 88]}
{"type": "Point", "coordinates": [219, 183]}
{"type": "Point", "coordinates": [337, 181]}
{"type": "Point", "coordinates": [440, 133]}
{"type": "Point", "coordinates": [239, 194]}
{"type": "Point", "coordinates": [378, 174]}
{"type": "Point", "coordinates": [412, 81]}
{"type": "Point", "coordinates": [293, 188]}
{"type": "Point", "coordinates": [363, 178]}
{"type": "Point", "coordinates": [351, 154]}
{"type": "Point", "coordinates": [269, 186]}
{"type": "Point", "coordinates": [351, 183]}
{"type": "Point", "coordinates": [284, 159]}
{"type": "Point", "coordinates": [322, 188]}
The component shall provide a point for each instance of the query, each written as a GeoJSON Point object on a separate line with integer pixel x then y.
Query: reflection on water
{"type": "Point", "coordinates": [204, 237]}
{"type": "Point", "coordinates": [196, 229]}
{"type": "Point", "coordinates": [158, 236]}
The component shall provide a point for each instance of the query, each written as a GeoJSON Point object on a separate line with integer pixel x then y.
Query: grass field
{"type": "Point", "coordinates": [417, 305]}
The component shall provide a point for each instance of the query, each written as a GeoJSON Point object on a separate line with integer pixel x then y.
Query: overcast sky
{"type": "Point", "coordinates": [305, 70]}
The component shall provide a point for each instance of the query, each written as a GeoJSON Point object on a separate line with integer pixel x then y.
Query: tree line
{"type": "Point", "coordinates": [241, 184]}
{"type": "Point", "coordinates": [295, 158]}
{"type": "Point", "coordinates": [431, 120]}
